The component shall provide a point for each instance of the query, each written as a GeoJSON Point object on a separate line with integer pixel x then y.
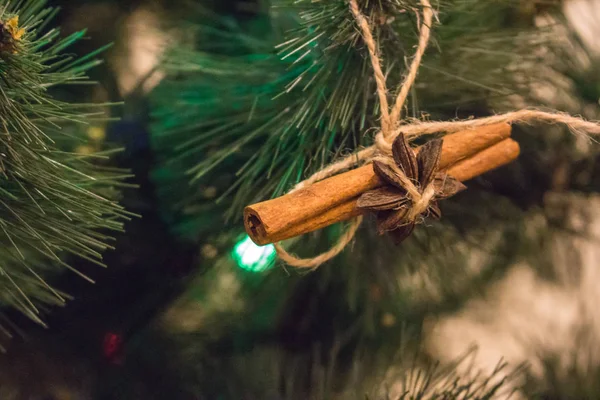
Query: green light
{"type": "Point", "coordinates": [252, 257]}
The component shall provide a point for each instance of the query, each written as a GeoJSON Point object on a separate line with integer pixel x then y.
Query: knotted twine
{"type": "Point", "coordinates": [391, 128]}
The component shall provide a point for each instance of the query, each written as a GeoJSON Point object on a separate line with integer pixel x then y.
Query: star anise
{"type": "Point", "coordinates": [392, 203]}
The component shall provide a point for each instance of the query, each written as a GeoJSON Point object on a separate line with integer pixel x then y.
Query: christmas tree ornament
{"type": "Point", "coordinates": [464, 155]}
{"type": "Point", "coordinates": [284, 218]}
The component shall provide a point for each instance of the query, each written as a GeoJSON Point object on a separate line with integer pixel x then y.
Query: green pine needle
{"type": "Point", "coordinates": [55, 202]}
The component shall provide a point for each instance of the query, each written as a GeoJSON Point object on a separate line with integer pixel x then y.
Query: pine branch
{"type": "Point", "coordinates": [257, 112]}
{"type": "Point", "coordinates": [238, 363]}
{"type": "Point", "coordinates": [213, 100]}
{"type": "Point", "coordinates": [55, 202]}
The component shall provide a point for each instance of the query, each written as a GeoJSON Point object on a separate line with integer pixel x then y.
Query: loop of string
{"type": "Point", "coordinates": [390, 129]}
{"type": "Point", "coordinates": [314, 262]}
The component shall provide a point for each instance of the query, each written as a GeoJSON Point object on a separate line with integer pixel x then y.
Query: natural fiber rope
{"type": "Point", "coordinates": [314, 262]}
{"type": "Point", "coordinates": [419, 128]}
{"type": "Point", "coordinates": [390, 129]}
{"type": "Point", "coordinates": [386, 122]}
{"type": "Point", "coordinates": [424, 34]}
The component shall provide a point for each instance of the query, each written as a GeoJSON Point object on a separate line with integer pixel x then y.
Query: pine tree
{"type": "Point", "coordinates": [253, 104]}
{"type": "Point", "coordinates": [249, 107]}
{"type": "Point", "coordinates": [59, 198]}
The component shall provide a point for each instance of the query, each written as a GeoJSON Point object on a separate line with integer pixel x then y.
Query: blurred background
{"type": "Point", "coordinates": [502, 300]}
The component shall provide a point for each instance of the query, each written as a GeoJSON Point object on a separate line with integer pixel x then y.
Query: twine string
{"type": "Point", "coordinates": [314, 262]}
{"type": "Point", "coordinates": [420, 128]}
{"type": "Point", "coordinates": [390, 129]}
{"type": "Point", "coordinates": [409, 80]}
{"type": "Point", "coordinates": [365, 28]}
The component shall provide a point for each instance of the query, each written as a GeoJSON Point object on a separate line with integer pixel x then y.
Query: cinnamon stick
{"type": "Point", "coordinates": [491, 158]}
{"type": "Point", "coordinates": [486, 160]}
{"type": "Point", "coordinates": [467, 154]}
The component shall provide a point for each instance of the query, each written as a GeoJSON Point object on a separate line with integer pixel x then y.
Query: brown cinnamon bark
{"type": "Point", "coordinates": [465, 154]}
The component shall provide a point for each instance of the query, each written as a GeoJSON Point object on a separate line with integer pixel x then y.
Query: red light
{"type": "Point", "coordinates": [112, 346]}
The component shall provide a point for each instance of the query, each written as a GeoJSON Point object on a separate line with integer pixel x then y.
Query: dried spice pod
{"type": "Point", "coordinates": [393, 203]}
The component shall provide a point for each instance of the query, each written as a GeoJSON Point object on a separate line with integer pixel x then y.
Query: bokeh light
{"type": "Point", "coordinates": [251, 257]}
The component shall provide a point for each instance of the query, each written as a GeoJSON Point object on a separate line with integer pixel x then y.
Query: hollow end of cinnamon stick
{"type": "Point", "coordinates": [255, 228]}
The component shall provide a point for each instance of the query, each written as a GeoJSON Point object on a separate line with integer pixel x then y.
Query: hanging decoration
{"type": "Point", "coordinates": [345, 190]}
